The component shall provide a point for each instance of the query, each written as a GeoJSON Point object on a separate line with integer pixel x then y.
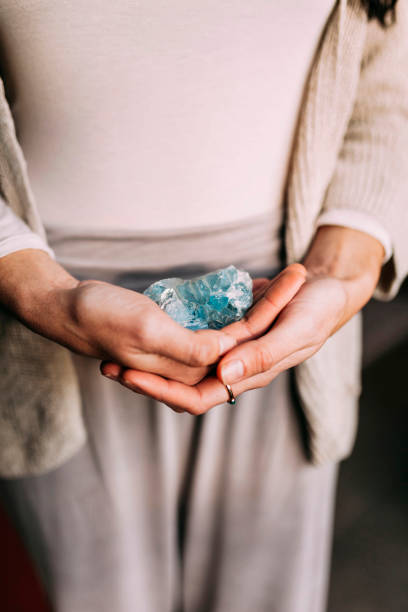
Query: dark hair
{"type": "Point", "coordinates": [383, 10]}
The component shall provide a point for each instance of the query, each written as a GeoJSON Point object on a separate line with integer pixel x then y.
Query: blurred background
{"type": "Point", "coordinates": [370, 553]}
{"type": "Point", "coordinates": [370, 548]}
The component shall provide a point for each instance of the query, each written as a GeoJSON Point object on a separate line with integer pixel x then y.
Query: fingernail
{"type": "Point", "coordinates": [226, 343]}
{"type": "Point", "coordinates": [232, 371]}
{"type": "Point", "coordinates": [109, 376]}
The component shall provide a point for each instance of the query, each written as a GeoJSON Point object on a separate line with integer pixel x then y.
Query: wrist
{"type": "Point", "coordinates": [35, 289]}
{"type": "Point", "coordinates": [347, 255]}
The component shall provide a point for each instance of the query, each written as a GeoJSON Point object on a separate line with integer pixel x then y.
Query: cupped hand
{"type": "Point", "coordinates": [270, 298]}
{"type": "Point", "coordinates": [317, 310]}
{"type": "Point", "coordinates": [128, 328]}
{"type": "Point", "coordinates": [173, 352]}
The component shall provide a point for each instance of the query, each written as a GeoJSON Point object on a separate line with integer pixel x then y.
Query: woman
{"type": "Point", "coordinates": [158, 142]}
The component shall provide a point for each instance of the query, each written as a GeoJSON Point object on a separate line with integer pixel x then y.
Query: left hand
{"type": "Point", "coordinates": [340, 274]}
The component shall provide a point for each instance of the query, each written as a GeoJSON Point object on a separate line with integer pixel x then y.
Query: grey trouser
{"type": "Point", "coordinates": [166, 512]}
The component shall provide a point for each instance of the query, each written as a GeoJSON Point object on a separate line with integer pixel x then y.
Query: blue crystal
{"type": "Point", "coordinates": [210, 301]}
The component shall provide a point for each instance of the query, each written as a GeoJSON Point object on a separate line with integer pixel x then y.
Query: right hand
{"type": "Point", "coordinates": [104, 321]}
{"type": "Point", "coordinates": [128, 328]}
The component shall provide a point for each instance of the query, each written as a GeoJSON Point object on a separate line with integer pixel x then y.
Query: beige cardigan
{"type": "Point", "coordinates": [351, 151]}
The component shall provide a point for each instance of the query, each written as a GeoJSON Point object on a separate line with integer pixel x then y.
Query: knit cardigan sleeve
{"type": "Point", "coordinates": [371, 174]}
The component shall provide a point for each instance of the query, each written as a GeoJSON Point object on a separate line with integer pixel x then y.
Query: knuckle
{"type": "Point", "coordinates": [263, 358]}
{"type": "Point", "coordinates": [248, 325]}
{"type": "Point", "coordinates": [201, 354]}
{"type": "Point", "coordinates": [197, 409]}
{"type": "Point", "coordinates": [270, 297]}
{"type": "Point", "coordinates": [194, 376]}
{"type": "Point", "coordinates": [201, 406]}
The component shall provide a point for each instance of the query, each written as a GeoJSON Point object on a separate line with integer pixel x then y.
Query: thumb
{"type": "Point", "coordinates": [194, 348]}
{"type": "Point", "coordinates": [272, 298]}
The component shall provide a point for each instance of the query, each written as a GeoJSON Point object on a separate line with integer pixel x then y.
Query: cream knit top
{"type": "Point", "coordinates": [350, 153]}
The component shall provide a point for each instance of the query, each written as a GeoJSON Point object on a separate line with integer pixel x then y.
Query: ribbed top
{"type": "Point", "coordinates": [154, 115]}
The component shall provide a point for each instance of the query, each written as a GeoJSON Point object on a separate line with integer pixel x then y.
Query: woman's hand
{"type": "Point", "coordinates": [269, 297]}
{"type": "Point", "coordinates": [179, 349]}
{"type": "Point", "coordinates": [105, 321]}
{"type": "Point", "coordinates": [343, 267]}
{"type": "Point", "coordinates": [318, 309]}
{"type": "Point", "coordinates": [339, 275]}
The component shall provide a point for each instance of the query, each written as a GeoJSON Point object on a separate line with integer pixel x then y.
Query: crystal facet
{"type": "Point", "coordinates": [210, 301]}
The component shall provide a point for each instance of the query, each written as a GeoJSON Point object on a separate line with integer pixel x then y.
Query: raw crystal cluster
{"type": "Point", "coordinates": [209, 301]}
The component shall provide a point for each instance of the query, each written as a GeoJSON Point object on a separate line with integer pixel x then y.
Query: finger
{"type": "Point", "coordinates": [196, 399]}
{"type": "Point", "coordinates": [276, 296]}
{"type": "Point", "coordinates": [110, 369]}
{"type": "Point", "coordinates": [114, 371]}
{"type": "Point", "coordinates": [261, 380]}
{"type": "Point", "coordinates": [208, 393]}
{"type": "Point", "coordinates": [161, 335]}
{"type": "Point", "coordinates": [211, 391]}
{"type": "Point", "coordinates": [157, 364]}
{"type": "Point", "coordinates": [261, 355]}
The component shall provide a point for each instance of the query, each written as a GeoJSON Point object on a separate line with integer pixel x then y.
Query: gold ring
{"type": "Point", "coordinates": [232, 398]}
